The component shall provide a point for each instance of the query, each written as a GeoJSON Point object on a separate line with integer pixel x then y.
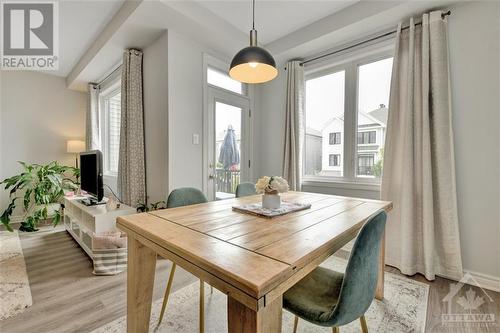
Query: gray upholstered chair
{"type": "Point", "coordinates": [184, 196]}
{"type": "Point", "coordinates": [332, 299]}
{"type": "Point", "coordinates": [245, 189]}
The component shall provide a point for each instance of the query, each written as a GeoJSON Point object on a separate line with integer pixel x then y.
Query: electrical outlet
{"type": "Point", "coordinates": [196, 139]}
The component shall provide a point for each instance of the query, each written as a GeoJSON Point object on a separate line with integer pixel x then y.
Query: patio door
{"type": "Point", "coordinates": [228, 140]}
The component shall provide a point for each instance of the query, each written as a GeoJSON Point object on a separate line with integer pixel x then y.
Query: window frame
{"type": "Point", "coordinates": [105, 93]}
{"type": "Point", "coordinates": [350, 63]}
{"type": "Point", "coordinates": [368, 132]}
{"type": "Point", "coordinates": [336, 158]}
{"type": "Point", "coordinates": [334, 136]}
{"type": "Point", "coordinates": [369, 156]}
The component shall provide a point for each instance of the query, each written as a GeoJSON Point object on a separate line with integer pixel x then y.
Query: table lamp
{"type": "Point", "coordinates": [75, 147]}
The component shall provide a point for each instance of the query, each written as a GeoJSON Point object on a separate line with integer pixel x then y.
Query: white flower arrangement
{"type": "Point", "coordinates": [271, 185]}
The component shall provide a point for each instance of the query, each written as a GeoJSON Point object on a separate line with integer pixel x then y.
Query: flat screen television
{"type": "Point", "coordinates": [91, 176]}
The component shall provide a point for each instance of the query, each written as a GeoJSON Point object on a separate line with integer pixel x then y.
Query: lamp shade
{"type": "Point", "coordinates": [75, 146]}
{"type": "Point", "coordinates": [253, 64]}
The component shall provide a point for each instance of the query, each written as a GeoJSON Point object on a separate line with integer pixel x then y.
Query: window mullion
{"type": "Point", "coordinates": [350, 122]}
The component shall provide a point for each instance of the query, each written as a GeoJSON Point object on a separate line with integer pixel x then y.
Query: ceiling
{"type": "Point", "coordinates": [94, 33]}
{"type": "Point", "coordinates": [80, 22]}
{"type": "Point", "coordinates": [273, 19]}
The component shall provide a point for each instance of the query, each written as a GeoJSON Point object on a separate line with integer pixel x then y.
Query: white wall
{"type": "Point", "coordinates": [185, 105]}
{"type": "Point", "coordinates": [185, 91]}
{"type": "Point", "coordinates": [474, 38]}
{"type": "Point", "coordinates": [155, 76]}
{"type": "Point", "coordinates": [474, 58]}
{"type": "Point", "coordinates": [269, 133]}
{"type": "Point", "coordinates": [37, 115]}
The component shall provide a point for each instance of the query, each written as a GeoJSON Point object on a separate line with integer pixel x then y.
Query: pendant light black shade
{"type": "Point", "coordinates": [253, 64]}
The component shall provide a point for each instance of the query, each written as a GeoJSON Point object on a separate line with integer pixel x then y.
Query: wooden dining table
{"type": "Point", "coordinates": [251, 259]}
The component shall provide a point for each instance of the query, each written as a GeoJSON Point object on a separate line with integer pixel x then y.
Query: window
{"type": "Point", "coordinates": [324, 117]}
{"type": "Point", "coordinates": [110, 109]}
{"type": "Point", "coordinates": [374, 81]}
{"type": "Point", "coordinates": [367, 137]}
{"type": "Point", "coordinates": [334, 159]}
{"type": "Point", "coordinates": [335, 138]}
{"type": "Point", "coordinates": [346, 111]}
{"type": "Point", "coordinates": [365, 165]}
{"type": "Point", "coordinates": [224, 81]}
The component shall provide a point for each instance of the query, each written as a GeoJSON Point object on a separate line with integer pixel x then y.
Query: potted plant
{"type": "Point", "coordinates": [271, 187]}
{"type": "Point", "coordinates": [143, 207]}
{"type": "Point", "coordinates": [41, 188]}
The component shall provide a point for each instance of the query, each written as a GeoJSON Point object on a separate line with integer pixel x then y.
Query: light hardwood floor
{"type": "Point", "coordinates": [68, 298]}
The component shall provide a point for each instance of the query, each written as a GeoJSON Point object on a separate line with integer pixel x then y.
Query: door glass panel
{"type": "Point", "coordinates": [227, 149]}
{"type": "Point", "coordinates": [373, 103]}
{"type": "Point", "coordinates": [324, 145]}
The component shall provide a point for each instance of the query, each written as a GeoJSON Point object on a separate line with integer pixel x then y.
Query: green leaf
{"type": "Point", "coordinates": [27, 198]}
{"type": "Point", "coordinates": [5, 217]}
{"type": "Point", "coordinates": [56, 219]}
{"type": "Point", "coordinates": [45, 213]}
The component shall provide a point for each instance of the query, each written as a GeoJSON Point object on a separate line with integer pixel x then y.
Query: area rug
{"type": "Point", "coordinates": [403, 310]}
{"type": "Point", "coordinates": [15, 293]}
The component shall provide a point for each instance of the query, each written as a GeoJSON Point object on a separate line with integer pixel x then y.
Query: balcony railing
{"type": "Point", "coordinates": [227, 180]}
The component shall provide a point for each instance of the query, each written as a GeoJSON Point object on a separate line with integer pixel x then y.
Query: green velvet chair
{"type": "Point", "coordinates": [184, 196]}
{"type": "Point", "coordinates": [332, 299]}
{"type": "Point", "coordinates": [245, 189]}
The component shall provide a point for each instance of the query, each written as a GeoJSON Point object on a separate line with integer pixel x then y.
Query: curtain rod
{"type": "Point", "coordinates": [443, 15]}
{"type": "Point", "coordinates": [109, 75]}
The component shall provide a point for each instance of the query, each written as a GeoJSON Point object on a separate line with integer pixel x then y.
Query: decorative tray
{"type": "Point", "coordinates": [286, 208]}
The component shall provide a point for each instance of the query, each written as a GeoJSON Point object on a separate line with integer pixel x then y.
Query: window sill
{"type": "Point", "coordinates": [373, 186]}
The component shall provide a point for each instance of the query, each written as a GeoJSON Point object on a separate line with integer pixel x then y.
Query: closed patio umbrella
{"type": "Point", "coordinates": [229, 154]}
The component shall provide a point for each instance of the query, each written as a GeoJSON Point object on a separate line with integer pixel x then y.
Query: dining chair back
{"type": "Point", "coordinates": [329, 298]}
{"type": "Point", "coordinates": [185, 196]}
{"type": "Point", "coordinates": [361, 274]}
{"type": "Point", "coordinates": [245, 189]}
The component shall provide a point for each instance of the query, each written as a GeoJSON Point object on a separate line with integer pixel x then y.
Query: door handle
{"type": "Point", "coordinates": [211, 176]}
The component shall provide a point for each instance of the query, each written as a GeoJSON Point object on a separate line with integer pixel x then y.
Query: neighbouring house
{"type": "Point", "coordinates": [313, 147]}
{"type": "Point", "coordinates": [324, 147]}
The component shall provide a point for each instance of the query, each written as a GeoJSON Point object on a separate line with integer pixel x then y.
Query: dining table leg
{"type": "Point", "coordinates": [241, 319]}
{"type": "Point", "coordinates": [379, 292]}
{"type": "Point", "coordinates": [140, 281]}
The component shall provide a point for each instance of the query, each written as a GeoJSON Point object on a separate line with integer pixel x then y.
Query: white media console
{"type": "Point", "coordinates": [84, 222]}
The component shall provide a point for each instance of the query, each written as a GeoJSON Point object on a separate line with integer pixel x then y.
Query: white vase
{"type": "Point", "coordinates": [271, 201]}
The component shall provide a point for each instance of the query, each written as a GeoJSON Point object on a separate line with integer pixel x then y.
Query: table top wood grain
{"type": "Point", "coordinates": [254, 254]}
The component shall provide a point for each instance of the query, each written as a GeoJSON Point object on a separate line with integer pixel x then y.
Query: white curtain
{"type": "Point", "coordinates": [92, 140]}
{"type": "Point", "coordinates": [131, 161]}
{"type": "Point", "coordinates": [419, 168]}
{"type": "Point", "coordinates": [294, 124]}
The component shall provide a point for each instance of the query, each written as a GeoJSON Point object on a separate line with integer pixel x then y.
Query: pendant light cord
{"type": "Point", "coordinates": [253, 14]}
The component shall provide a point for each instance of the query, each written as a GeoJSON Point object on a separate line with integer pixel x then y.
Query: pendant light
{"type": "Point", "coordinates": [253, 64]}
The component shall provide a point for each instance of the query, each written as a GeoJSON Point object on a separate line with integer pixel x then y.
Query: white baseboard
{"type": "Point", "coordinates": [486, 281]}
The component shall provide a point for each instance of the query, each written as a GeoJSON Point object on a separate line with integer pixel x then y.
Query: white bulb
{"type": "Point", "coordinates": [253, 64]}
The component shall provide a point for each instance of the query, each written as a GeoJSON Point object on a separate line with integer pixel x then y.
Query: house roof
{"type": "Point", "coordinates": [380, 114]}
{"type": "Point", "coordinates": [312, 131]}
